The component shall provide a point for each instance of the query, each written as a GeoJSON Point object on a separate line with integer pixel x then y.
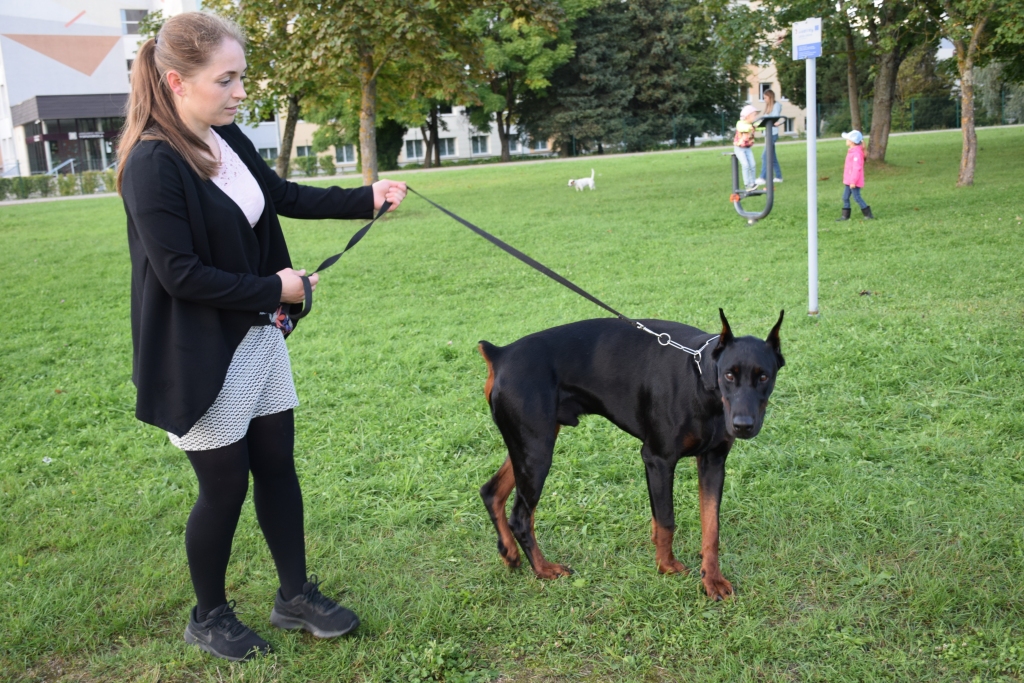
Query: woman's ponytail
{"type": "Point", "coordinates": [184, 44]}
{"type": "Point", "coordinates": [145, 89]}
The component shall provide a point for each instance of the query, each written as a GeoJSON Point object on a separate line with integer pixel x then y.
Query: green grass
{"type": "Point", "coordinates": [873, 529]}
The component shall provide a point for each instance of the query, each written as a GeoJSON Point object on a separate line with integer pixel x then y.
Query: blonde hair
{"type": "Point", "coordinates": [185, 44]}
{"type": "Point", "coordinates": [769, 100]}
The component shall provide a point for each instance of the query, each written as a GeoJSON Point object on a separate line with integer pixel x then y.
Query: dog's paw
{"type": "Point", "coordinates": [550, 570]}
{"type": "Point", "coordinates": [672, 566]}
{"type": "Point", "coordinates": [716, 585]}
{"type": "Point", "coordinates": [511, 559]}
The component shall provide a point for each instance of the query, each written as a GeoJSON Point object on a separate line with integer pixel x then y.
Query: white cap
{"type": "Point", "coordinates": [747, 111]}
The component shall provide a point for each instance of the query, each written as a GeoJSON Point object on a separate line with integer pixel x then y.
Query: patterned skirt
{"type": "Point", "coordinates": [259, 382]}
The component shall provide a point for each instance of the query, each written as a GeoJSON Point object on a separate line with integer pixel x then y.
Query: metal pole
{"type": "Point", "coordinates": [812, 190]}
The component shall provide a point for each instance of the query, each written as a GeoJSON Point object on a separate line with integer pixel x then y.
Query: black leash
{"type": "Point", "coordinates": [307, 303]}
{"type": "Point", "coordinates": [663, 338]}
{"type": "Point", "coordinates": [524, 258]}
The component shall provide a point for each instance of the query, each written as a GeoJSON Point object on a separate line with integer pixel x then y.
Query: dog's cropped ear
{"type": "Point", "coordinates": [724, 338]}
{"type": "Point", "coordinates": [773, 340]}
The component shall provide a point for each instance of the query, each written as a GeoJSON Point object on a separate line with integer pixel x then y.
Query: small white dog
{"type": "Point", "coordinates": [580, 183]}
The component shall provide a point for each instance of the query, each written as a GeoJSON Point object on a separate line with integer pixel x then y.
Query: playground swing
{"type": "Point", "coordinates": [739, 193]}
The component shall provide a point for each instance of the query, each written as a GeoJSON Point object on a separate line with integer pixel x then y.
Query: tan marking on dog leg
{"type": "Point", "coordinates": [504, 481]}
{"type": "Point", "coordinates": [541, 567]}
{"type": "Point", "coordinates": [716, 585]}
{"type": "Point", "coordinates": [664, 559]}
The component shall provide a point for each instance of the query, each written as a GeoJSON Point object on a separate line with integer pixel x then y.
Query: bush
{"type": "Point", "coordinates": [308, 164]}
{"type": "Point", "coordinates": [43, 185]}
{"type": "Point", "coordinates": [90, 182]}
{"type": "Point", "coordinates": [110, 180]}
{"type": "Point", "coordinates": [5, 188]}
{"type": "Point", "coordinates": [327, 164]}
{"type": "Point", "coordinates": [67, 184]}
{"type": "Point", "coordinates": [21, 187]}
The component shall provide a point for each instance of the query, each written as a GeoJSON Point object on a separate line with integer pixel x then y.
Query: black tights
{"type": "Point", "coordinates": [266, 451]}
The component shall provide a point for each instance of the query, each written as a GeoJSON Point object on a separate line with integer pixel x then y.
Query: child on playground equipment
{"type": "Point", "coordinates": [853, 175]}
{"type": "Point", "coordinates": [742, 141]}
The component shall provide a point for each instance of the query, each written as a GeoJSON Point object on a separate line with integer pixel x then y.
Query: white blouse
{"type": "Point", "coordinates": [237, 182]}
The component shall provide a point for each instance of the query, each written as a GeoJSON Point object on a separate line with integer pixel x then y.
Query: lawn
{"type": "Point", "coordinates": [874, 530]}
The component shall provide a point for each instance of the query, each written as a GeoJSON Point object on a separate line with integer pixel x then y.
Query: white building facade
{"type": "Point", "coordinates": [64, 81]}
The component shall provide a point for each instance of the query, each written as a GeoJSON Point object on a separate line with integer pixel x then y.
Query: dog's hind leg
{"type": "Point", "coordinates": [495, 494]}
{"type": "Point", "coordinates": [531, 463]}
{"type": "Point", "coordinates": [660, 479]}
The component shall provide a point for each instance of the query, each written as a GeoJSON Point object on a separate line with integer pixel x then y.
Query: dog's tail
{"type": "Point", "coordinates": [591, 174]}
{"type": "Point", "coordinates": [490, 352]}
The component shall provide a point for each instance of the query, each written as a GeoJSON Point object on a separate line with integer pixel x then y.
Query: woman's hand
{"type": "Point", "coordinates": [292, 291]}
{"type": "Point", "coordinates": [388, 191]}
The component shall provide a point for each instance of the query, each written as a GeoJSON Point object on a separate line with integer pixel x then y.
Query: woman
{"type": "Point", "coordinates": [771, 108]}
{"type": "Point", "coordinates": [212, 284]}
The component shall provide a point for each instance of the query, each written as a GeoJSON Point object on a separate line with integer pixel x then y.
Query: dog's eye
{"type": "Point", "coordinates": [729, 377]}
{"type": "Point", "coordinates": [764, 377]}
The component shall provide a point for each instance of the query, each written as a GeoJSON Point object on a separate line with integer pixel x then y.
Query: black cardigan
{"type": "Point", "coordinates": [201, 275]}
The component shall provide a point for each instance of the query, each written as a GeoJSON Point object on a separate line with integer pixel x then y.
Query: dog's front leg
{"type": "Point", "coordinates": [660, 478]}
{"type": "Point", "coordinates": [711, 477]}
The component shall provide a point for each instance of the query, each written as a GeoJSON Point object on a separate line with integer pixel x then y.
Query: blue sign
{"type": "Point", "coordinates": [809, 51]}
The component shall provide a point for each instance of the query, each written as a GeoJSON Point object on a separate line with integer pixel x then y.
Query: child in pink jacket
{"type": "Point", "coordinates": [853, 175]}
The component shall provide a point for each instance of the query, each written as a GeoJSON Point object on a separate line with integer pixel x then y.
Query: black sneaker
{"type": "Point", "coordinates": [224, 636]}
{"type": "Point", "coordinates": [313, 611]}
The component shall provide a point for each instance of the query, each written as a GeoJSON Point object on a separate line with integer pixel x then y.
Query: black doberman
{"type": "Point", "coordinates": [675, 403]}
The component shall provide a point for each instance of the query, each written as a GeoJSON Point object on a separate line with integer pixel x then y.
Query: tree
{"type": "Point", "coordinates": [645, 72]}
{"type": "Point", "coordinates": [519, 57]}
{"type": "Point", "coordinates": [659, 64]}
{"type": "Point", "coordinates": [977, 29]}
{"type": "Point", "coordinates": [406, 46]}
{"type": "Point", "coordinates": [998, 93]}
{"type": "Point", "coordinates": [717, 40]}
{"type": "Point", "coordinates": [280, 74]}
{"type": "Point", "coordinates": [841, 73]}
{"type": "Point", "coordinates": [431, 129]}
{"type": "Point", "coordinates": [890, 29]}
{"type": "Point", "coordinates": [589, 95]}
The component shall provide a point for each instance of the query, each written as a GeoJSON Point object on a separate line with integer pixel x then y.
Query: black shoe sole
{"type": "Point", "coordinates": [291, 623]}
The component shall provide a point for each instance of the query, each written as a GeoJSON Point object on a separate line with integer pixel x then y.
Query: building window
{"type": "Point", "coordinates": [130, 62]}
{"type": "Point", "coordinates": [479, 144]}
{"type": "Point", "coordinates": [413, 149]}
{"type": "Point", "coordinates": [444, 109]}
{"type": "Point", "coordinates": [788, 128]}
{"type": "Point", "coordinates": [304, 151]}
{"type": "Point", "coordinates": [268, 153]}
{"type": "Point", "coordinates": [761, 88]}
{"type": "Point", "coordinates": [538, 145]}
{"type": "Point", "coordinates": [513, 144]}
{"type": "Point", "coordinates": [130, 19]}
{"type": "Point", "coordinates": [447, 146]}
{"type": "Point", "coordinates": [345, 154]}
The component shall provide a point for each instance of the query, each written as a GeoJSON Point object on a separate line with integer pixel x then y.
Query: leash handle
{"type": "Point", "coordinates": [307, 286]}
